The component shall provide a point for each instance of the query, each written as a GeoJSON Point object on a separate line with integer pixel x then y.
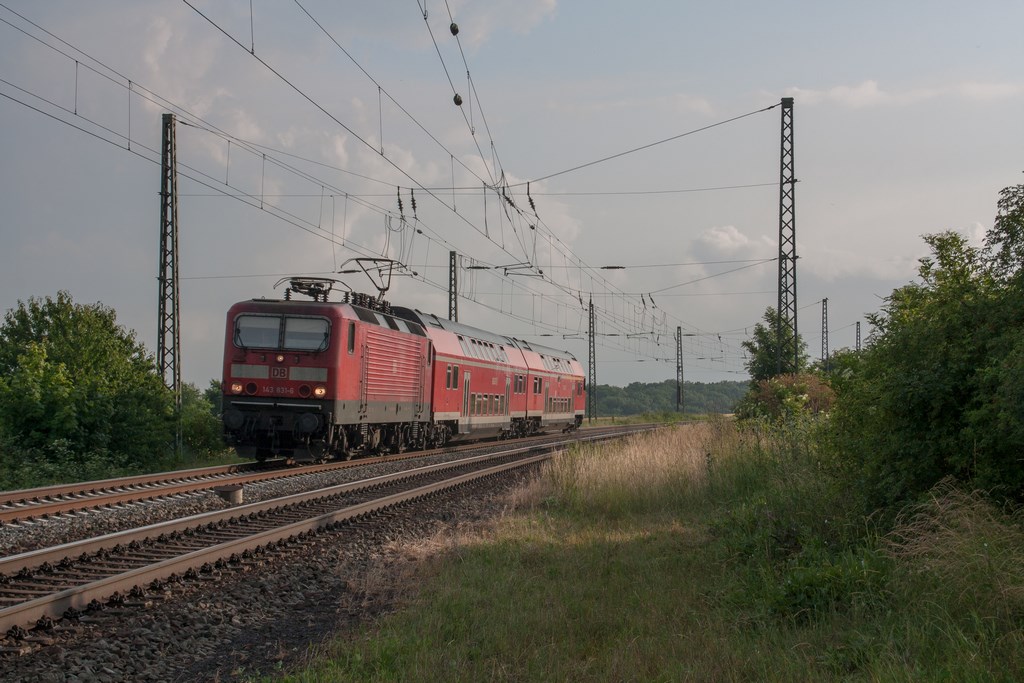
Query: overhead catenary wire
{"type": "Point", "coordinates": [554, 243]}
{"type": "Point", "coordinates": [648, 145]}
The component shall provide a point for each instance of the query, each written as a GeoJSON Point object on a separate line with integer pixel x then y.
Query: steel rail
{"type": "Point", "coordinates": [80, 597]}
{"type": "Point", "coordinates": [31, 504]}
{"type": "Point", "coordinates": [27, 496]}
{"type": "Point", "coordinates": [30, 560]}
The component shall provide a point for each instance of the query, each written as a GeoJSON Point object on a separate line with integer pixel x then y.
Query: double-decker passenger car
{"type": "Point", "coordinates": [310, 380]}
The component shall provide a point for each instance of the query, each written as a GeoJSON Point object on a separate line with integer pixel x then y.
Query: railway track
{"type": "Point", "coordinates": [28, 505]}
{"type": "Point", "coordinates": [41, 586]}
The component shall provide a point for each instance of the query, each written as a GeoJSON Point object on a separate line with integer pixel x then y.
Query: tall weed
{"type": "Point", "coordinates": [643, 473]}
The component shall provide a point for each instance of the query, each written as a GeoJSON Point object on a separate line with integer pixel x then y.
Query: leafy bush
{"type": "Point", "coordinates": [786, 397]}
{"type": "Point", "coordinates": [200, 425]}
{"type": "Point", "coordinates": [71, 373]}
{"type": "Point", "coordinates": [938, 391]}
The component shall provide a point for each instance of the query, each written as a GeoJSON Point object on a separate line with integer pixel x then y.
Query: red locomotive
{"type": "Point", "coordinates": [310, 380]}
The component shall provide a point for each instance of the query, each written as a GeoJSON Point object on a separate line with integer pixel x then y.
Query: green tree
{"type": "Point", "coordinates": [201, 428]}
{"type": "Point", "coordinates": [73, 375]}
{"type": "Point", "coordinates": [937, 392]}
{"type": "Point", "coordinates": [37, 400]}
{"type": "Point", "coordinates": [763, 348]}
{"type": "Point", "coordinates": [214, 396]}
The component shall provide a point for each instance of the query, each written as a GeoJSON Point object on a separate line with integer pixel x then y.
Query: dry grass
{"type": "Point", "coordinates": [683, 555]}
{"type": "Point", "coordinates": [637, 474]}
{"type": "Point", "coordinates": [963, 552]}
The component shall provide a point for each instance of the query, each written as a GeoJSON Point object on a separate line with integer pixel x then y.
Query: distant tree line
{"type": "Point", "coordinates": [698, 398]}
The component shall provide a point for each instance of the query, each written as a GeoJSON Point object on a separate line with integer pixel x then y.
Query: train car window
{"type": "Point", "coordinates": [306, 334]}
{"type": "Point", "coordinates": [351, 337]}
{"type": "Point", "coordinates": [455, 377]}
{"type": "Point", "coordinates": [448, 378]}
{"type": "Point", "coordinates": [259, 331]}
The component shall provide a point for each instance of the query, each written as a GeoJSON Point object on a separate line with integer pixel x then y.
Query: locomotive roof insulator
{"type": "Point", "coordinates": [316, 288]}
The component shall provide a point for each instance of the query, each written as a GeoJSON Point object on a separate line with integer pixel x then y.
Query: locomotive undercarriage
{"type": "Point", "coordinates": [313, 437]}
{"type": "Point", "coordinates": [306, 436]}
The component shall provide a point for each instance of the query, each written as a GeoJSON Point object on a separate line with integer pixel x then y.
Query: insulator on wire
{"type": "Point", "coordinates": [454, 28]}
{"type": "Point", "coordinates": [457, 100]}
{"type": "Point", "coordinates": [412, 200]}
{"type": "Point", "coordinates": [401, 211]}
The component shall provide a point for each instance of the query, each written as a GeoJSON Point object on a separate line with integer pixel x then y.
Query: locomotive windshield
{"type": "Point", "coordinates": [282, 332]}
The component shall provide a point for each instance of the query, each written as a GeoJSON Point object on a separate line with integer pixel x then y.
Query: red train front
{"type": "Point", "coordinates": [309, 380]}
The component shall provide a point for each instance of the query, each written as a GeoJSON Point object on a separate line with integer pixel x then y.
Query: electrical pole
{"type": "Point", "coordinates": [824, 334]}
{"type": "Point", "coordinates": [453, 286]}
{"type": "Point", "coordinates": [679, 369]}
{"type": "Point", "coordinates": [788, 347]}
{"type": "Point", "coordinates": [592, 361]}
{"type": "Point", "coordinates": [168, 328]}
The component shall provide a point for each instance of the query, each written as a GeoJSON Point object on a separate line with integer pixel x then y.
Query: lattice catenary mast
{"type": "Point", "coordinates": [788, 347]}
{"type": "Point", "coordinates": [679, 369]}
{"type": "Point", "coordinates": [824, 334]}
{"type": "Point", "coordinates": [168, 338]}
{"type": "Point", "coordinates": [592, 370]}
{"type": "Point", "coordinates": [453, 286]}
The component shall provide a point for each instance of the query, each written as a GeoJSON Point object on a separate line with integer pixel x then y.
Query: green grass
{"type": "Point", "coordinates": [706, 553]}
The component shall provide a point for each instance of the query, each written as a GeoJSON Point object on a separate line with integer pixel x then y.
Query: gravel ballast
{"type": "Point", "coordinates": [263, 619]}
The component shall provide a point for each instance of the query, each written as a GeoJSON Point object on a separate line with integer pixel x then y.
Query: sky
{"type": "Point", "coordinates": [591, 134]}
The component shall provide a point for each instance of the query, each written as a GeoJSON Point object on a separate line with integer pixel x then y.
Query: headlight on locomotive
{"type": "Point", "coordinates": [320, 391]}
{"type": "Point", "coordinates": [236, 387]}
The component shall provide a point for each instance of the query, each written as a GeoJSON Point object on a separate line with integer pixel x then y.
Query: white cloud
{"type": "Point", "coordinates": [724, 239]}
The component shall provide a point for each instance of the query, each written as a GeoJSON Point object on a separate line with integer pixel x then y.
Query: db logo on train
{"type": "Point", "coordinates": [278, 373]}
